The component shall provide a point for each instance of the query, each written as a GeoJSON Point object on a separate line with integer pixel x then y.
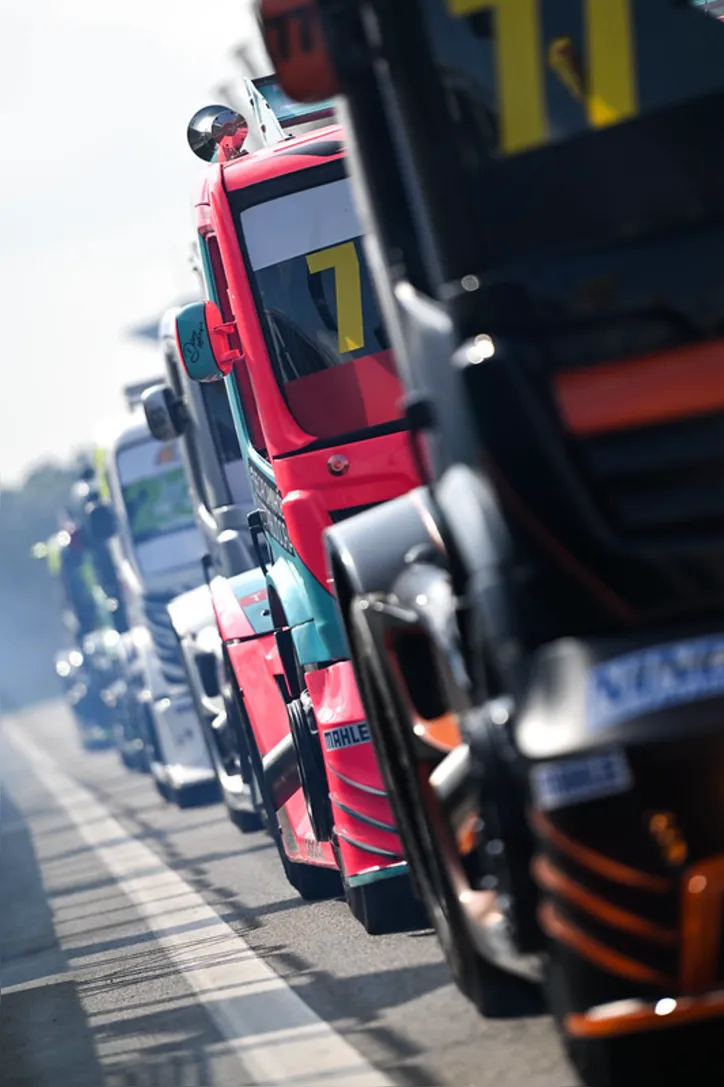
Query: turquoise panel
{"type": "Point", "coordinates": [193, 338]}
{"type": "Point", "coordinates": [258, 614]}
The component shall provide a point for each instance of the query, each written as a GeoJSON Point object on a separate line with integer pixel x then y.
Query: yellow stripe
{"type": "Point", "coordinates": [520, 71]}
{"type": "Point", "coordinates": [611, 65]}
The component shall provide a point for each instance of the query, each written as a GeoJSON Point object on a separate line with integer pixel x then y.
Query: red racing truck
{"type": "Point", "coordinates": [293, 328]}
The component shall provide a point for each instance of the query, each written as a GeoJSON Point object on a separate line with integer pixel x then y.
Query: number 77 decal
{"type": "Point", "coordinates": [344, 262]}
{"type": "Point", "coordinates": [610, 91]}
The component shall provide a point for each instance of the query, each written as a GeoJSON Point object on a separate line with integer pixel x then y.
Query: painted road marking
{"type": "Point", "coordinates": [279, 1039]}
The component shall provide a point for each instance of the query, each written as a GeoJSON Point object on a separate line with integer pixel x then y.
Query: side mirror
{"type": "Point", "coordinates": [102, 522]}
{"type": "Point", "coordinates": [208, 346]}
{"type": "Point", "coordinates": [163, 412]}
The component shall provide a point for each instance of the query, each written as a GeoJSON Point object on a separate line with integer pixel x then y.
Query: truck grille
{"type": "Point", "coordinates": [662, 481]}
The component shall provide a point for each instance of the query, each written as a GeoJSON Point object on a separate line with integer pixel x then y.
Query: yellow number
{"type": "Point", "coordinates": [343, 260]}
{"type": "Point", "coordinates": [610, 71]}
{"type": "Point", "coordinates": [521, 89]}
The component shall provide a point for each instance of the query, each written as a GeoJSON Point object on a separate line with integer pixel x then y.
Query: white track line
{"type": "Point", "coordinates": [278, 1038]}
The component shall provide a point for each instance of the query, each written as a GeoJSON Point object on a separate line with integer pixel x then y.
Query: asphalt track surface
{"type": "Point", "coordinates": [144, 946]}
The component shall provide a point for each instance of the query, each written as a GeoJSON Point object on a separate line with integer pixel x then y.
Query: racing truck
{"type": "Point", "coordinates": [292, 327]}
{"type": "Point", "coordinates": [199, 415]}
{"type": "Point", "coordinates": [157, 551]}
{"type": "Point", "coordinates": [537, 630]}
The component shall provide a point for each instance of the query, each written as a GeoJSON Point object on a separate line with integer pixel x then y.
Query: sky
{"type": "Point", "coordinates": [96, 182]}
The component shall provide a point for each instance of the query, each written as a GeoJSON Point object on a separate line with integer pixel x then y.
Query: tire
{"type": "Point", "coordinates": [496, 994]}
{"type": "Point", "coordinates": [388, 905]}
{"type": "Point", "coordinates": [667, 1058]}
{"type": "Point", "coordinates": [311, 882]}
{"type": "Point", "coordinates": [195, 796]}
{"type": "Point", "coordinates": [127, 761]}
{"type": "Point", "coordinates": [135, 762]}
{"type": "Point", "coordinates": [164, 791]}
{"type": "Point", "coordinates": [246, 821]}
{"type": "Point", "coordinates": [312, 770]}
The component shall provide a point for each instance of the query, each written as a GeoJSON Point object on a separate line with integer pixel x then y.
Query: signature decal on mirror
{"type": "Point", "coordinates": [194, 345]}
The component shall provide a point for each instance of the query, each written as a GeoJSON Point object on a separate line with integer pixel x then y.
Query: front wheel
{"type": "Point", "coordinates": [195, 796]}
{"type": "Point", "coordinates": [164, 790]}
{"type": "Point", "coordinates": [234, 776]}
{"type": "Point", "coordinates": [311, 882]}
{"type": "Point", "coordinates": [495, 993]}
{"type": "Point", "coordinates": [246, 821]}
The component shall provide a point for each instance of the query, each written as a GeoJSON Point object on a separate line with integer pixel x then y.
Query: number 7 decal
{"type": "Point", "coordinates": [610, 93]}
{"type": "Point", "coordinates": [344, 262]}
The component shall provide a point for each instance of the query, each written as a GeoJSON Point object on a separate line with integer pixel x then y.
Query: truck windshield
{"type": "Point", "coordinates": [155, 491]}
{"type": "Point", "coordinates": [329, 349]}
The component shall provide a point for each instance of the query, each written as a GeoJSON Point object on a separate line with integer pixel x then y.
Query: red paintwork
{"type": "Point", "coordinates": [364, 392]}
{"type": "Point", "coordinates": [337, 703]}
{"type": "Point", "coordinates": [254, 662]}
{"type": "Point", "coordinates": [379, 469]}
{"type": "Point", "coordinates": [277, 162]}
{"type": "Point", "coordinates": [254, 659]}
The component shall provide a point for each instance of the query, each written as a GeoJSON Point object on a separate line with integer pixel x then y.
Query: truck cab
{"type": "Point", "coordinates": [199, 417]}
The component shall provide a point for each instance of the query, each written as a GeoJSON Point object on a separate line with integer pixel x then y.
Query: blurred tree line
{"type": "Point", "coordinates": [31, 631]}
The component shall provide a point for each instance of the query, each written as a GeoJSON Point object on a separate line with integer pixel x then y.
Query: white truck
{"type": "Point", "coordinates": [158, 551]}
